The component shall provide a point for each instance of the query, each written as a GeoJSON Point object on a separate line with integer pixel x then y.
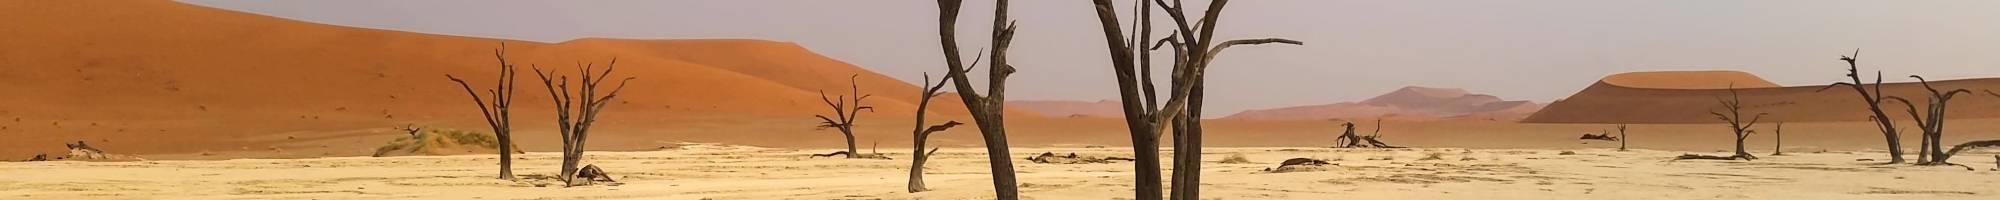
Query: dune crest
{"type": "Point", "coordinates": [1407, 103]}
{"type": "Point", "coordinates": [1687, 97]}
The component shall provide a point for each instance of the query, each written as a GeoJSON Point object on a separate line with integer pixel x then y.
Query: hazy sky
{"type": "Point", "coordinates": [1537, 50]}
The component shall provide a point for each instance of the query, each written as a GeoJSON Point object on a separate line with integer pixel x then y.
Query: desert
{"type": "Point", "coordinates": [230, 100]}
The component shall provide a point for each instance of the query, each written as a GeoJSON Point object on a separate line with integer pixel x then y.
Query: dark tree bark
{"type": "Point", "coordinates": [987, 111]}
{"type": "Point", "coordinates": [921, 134]}
{"type": "Point", "coordinates": [1622, 138]}
{"type": "Point", "coordinates": [575, 131]}
{"type": "Point", "coordinates": [844, 116]}
{"type": "Point", "coordinates": [1874, 101]}
{"type": "Point", "coordinates": [1193, 51]}
{"type": "Point", "coordinates": [1944, 158]}
{"type": "Point", "coordinates": [1733, 107]}
{"type": "Point", "coordinates": [1778, 136]}
{"type": "Point", "coordinates": [1931, 122]}
{"type": "Point", "coordinates": [496, 113]}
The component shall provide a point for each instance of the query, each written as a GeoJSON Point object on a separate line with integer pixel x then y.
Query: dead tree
{"type": "Point", "coordinates": [1931, 122]}
{"type": "Point", "coordinates": [1347, 138]}
{"type": "Point", "coordinates": [575, 130]}
{"type": "Point", "coordinates": [844, 115]}
{"type": "Point", "coordinates": [1194, 48]}
{"type": "Point", "coordinates": [495, 113]}
{"type": "Point", "coordinates": [921, 134]}
{"type": "Point", "coordinates": [1778, 137]}
{"type": "Point", "coordinates": [1621, 137]}
{"type": "Point", "coordinates": [1734, 116]}
{"type": "Point", "coordinates": [1874, 102]}
{"type": "Point", "coordinates": [1944, 158]}
{"type": "Point", "coordinates": [987, 111]}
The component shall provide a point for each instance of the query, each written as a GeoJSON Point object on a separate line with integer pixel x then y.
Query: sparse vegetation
{"type": "Point", "coordinates": [440, 141]}
{"type": "Point", "coordinates": [844, 116]}
{"type": "Point", "coordinates": [1874, 102]}
{"type": "Point", "coordinates": [1236, 158]}
{"type": "Point", "coordinates": [575, 131]}
{"type": "Point", "coordinates": [987, 111]}
{"type": "Point", "coordinates": [496, 113]}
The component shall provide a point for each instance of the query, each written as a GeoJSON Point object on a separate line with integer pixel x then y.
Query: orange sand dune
{"type": "Point", "coordinates": [1687, 97]}
{"type": "Point", "coordinates": [1407, 103]}
{"type": "Point", "coordinates": [167, 77]}
{"type": "Point", "coordinates": [1072, 109]}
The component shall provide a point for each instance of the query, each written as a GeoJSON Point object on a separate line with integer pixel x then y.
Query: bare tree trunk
{"type": "Point", "coordinates": [1874, 101]}
{"type": "Point", "coordinates": [496, 114]}
{"type": "Point", "coordinates": [1733, 107]}
{"type": "Point", "coordinates": [1622, 137]}
{"type": "Point", "coordinates": [921, 134]}
{"type": "Point", "coordinates": [1943, 159]}
{"type": "Point", "coordinates": [575, 133]}
{"type": "Point", "coordinates": [987, 112]}
{"type": "Point", "coordinates": [1930, 151]}
{"type": "Point", "coordinates": [1779, 137]}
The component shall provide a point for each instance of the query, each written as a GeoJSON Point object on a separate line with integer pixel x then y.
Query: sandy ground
{"type": "Point", "coordinates": [736, 172]}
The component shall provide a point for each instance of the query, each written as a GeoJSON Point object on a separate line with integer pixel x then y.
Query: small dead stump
{"type": "Point", "coordinates": [1072, 158]}
{"type": "Point", "coordinates": [852, 155]}
{"type": "Point", "coordinates": [1300, 165]}
{"type": "Point", "coordinates": [590, 175]}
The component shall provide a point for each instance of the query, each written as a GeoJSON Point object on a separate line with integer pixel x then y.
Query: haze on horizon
{"type": "Point", "coordinates": [1532, 50]}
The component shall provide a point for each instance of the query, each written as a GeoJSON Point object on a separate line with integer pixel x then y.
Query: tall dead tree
{"type": "Point", "coordinates": [575, 130]}
{"type": "Point", "coordinates": [496, 113]}
{"type": "Point", "coordinates": [1194, 48]}
{"type": "Point", "coordinates": [1734, 116]}
{"type": "Point", "coordinates": [1622, 137]}
{"type": "Point", "coordinates": [1931, 122]}
{"type": "Point", "coordinates": [1874, 102]}
{"type": "Point", "coordinates": [987, 111]}
{"type": "Point", "coordinates": [921, 134]}
{"type": "Point", "coordinates": [844, 115]}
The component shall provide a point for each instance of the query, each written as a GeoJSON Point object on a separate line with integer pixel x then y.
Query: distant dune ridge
{"type": "Point", "coordinates": [1062, 108]}
{"type": "Point", "coordinates": [1407, 103]}
{"type": "Point", "coordinates": [1688, 96]}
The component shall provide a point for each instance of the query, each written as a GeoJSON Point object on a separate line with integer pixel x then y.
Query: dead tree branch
{"type": "Point", "coordinates": [496, 114]}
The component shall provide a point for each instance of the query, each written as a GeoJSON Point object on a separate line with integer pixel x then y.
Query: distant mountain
{"type": "Point", "coordinates": [1060, 108]}
{"type": "Point", "coordinates": [1420, 103]}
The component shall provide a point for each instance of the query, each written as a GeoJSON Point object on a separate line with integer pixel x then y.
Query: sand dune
{"type": "Point", "coordinates": [1407, 103]}
{"type": "Point", "coordinates": [1060, 108]}
{"type": "Point", "coordinates": [1687, 97]}
{"type": "Point", "coordinates": [204, 79]}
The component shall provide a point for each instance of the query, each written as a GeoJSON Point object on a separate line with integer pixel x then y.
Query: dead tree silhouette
{"type": "Point", "coordinates": [1194, 48]}
{"type": "Point", "coordinates": [1733, 116]}
{"type": "Point", "coordinates": [575, 131]}
{"type": "Point", "coordinates": [496, 113]}
{"type": "Point", "coordinates": [1931, 122]}
{"type": "Point", "coordinates": [1621, 137]}
{"type": "Point", "coordinates": [1778, 137]}
{"type": "Point", "coordinates": [921, 134]}
{"type": "Point", "coordinates": [987, 111]}
{"type": "Point", "coordinates": [844, 116]}
{"type": "Point", "coordinates": [1874, 102]}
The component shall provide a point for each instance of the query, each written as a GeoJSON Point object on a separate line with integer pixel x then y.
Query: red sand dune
{"type": "Point", "coordinates": [167, 77]}
{"type": "Point", "coordinates": [1687, 97]}
{"type": "Point", "coordinates": [1408, 103]}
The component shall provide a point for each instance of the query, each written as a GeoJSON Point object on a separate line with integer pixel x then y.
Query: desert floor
{"type": "Point", "coordinates": [737, 172]}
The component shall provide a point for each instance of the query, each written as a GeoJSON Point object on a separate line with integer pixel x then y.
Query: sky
{"type": "Point", "coordinates": [1539, 50]}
